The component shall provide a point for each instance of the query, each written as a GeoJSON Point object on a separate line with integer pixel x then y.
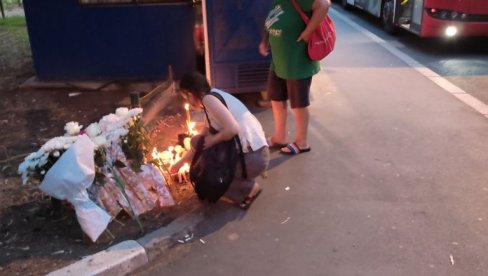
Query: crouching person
{"type": "Point", "coordinates": [228, 117]}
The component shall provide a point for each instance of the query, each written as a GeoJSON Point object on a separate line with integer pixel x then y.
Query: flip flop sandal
{"type": "Point", "coordinates": [247, 202]}
{"type": "Point", "coordinates": [273, 145]}
{"type": "Point", "coordinates": [294, 149]}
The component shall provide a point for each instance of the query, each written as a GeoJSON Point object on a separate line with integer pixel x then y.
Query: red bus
{"type": "Point", "coordinates": [429, 18]}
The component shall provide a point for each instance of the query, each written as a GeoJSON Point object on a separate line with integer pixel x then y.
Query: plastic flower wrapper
{"type": "Point", "coordinates": [38, 163]}
{"type": "Point", "coordinates": [69, 178]}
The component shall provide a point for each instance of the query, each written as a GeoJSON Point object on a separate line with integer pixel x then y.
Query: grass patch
{"type": "Point", "coordinates": [13, 22]}
{"type": "Point", "coordinates": [11, 4]}
{"type": "Point", "coordinates": [15, 54]}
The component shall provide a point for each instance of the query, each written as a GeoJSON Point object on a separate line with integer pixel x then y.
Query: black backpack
{"type": "Point", "coordinates": [212, 170]}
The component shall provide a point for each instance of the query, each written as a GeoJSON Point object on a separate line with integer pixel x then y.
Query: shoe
{"type": "Point", "coordinates": [273, 145]}
{"type": "Point", "coordinates": [246, 203]}
{"type": "Point", "coordinates": [293, 149]}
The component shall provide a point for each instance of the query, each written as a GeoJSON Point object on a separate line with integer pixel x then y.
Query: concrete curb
{"type": "Point", "coordinates": [125, 257]}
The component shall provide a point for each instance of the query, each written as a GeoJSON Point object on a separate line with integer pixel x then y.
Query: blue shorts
{"type": "Point", "coordinates": [297, 91]}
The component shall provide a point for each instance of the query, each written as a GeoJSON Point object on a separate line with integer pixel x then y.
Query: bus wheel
{"type": "Point", "coordinates": [387, 16]}
{"type": "Point", "coordinates": [345, 5]}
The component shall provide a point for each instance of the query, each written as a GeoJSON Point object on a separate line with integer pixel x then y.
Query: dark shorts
{"type": "Point", "coordinates": [297, 91]}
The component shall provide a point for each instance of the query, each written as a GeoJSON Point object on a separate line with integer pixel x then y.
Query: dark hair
{"type": "Point", "coordinates": [195, 83]}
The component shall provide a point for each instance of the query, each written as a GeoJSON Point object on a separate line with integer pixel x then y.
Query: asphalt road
{"type": "Point", "coordinates": [395, 184]}
{"type": "Point", "coordinates": [463, 61]}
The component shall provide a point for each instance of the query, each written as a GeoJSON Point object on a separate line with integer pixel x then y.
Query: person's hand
{"type": "Point", "coordinates": [263, 48]}
{"type": "Point", "coordinates": [175, 168]}
{"type": "Point", "coordinates": [304, 37]}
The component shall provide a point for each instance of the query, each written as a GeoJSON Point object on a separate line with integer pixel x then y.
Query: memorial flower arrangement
{"type": "Point", "coordinates": [124, 127]}
{"type": "Point", "coordinates": [100, 170]}
{"type": "Point", "coordinates": [37, 164]}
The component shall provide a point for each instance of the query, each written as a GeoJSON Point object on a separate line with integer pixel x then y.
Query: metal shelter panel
{"type": "Point", "coordinates": [71, 41]}
{"type": "Point", "coordinates": [234, 29]}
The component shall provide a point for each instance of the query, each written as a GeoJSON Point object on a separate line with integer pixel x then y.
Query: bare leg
{"type": "Point", "coordinates": [280, 113]}
{"type": "Point", "coordinates": [302, 117]}
{"type": "Point", "coordinates": [246, 203]}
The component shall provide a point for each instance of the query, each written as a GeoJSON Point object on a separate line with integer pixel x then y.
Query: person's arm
{"type": "Point", "coordinates": [186, 158]}
{"type": "Point", "coordinates": [222, 116]}
{"type": "Point", "coordinates": [320, 8]}
{"type": "Point", "coordinates": [197, 39]}
{"type": "Point", "coordinates": [264, 45]}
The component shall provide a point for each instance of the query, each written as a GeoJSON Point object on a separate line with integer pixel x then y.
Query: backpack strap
{"type": "Point", "coordinates": [236, 138]}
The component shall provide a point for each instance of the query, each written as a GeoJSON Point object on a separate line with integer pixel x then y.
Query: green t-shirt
{"type": "Point", "coordinates": [289, 57]}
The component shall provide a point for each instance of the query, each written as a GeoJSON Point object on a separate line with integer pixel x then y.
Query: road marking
{"type": "Point", "coordinates": [433, 76]}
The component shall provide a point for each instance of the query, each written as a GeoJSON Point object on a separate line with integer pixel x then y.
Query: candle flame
{"type": "Point", "coordinates": [170, 157]}
{"type": "Point", "coordinates": [187, 106]}
{"type": "Point", "coordinates": [155, 153]}
{"type": "Point", "coordinates": [191, 131]}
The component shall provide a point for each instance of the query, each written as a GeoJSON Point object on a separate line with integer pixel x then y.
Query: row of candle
{"type": "Point", "coordinates": [174, 153]}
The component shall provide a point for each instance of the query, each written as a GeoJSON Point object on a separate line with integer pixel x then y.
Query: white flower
{"type": "Point", "coordinates": [121, 111]}
{"type": "Point", "coordinates": [57, 143]}
{"type": "Point", "coordinates": [100, 141]}
{"type": "Point", "coordinates": [134, 112]}
{"type": "Point", "coordinates": [43, 172]}
{"type": "Point", "coordinates": [114, 135]}
{"type": "Point", "coordinates": [107, 122]}
{"type": "Point", "coordinates": [93, 130]}
{"type": "Point", "coordinates": [72, 128]}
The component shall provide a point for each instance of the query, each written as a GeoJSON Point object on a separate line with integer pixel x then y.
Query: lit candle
{"type": "Point", "coordinates": [187, 143]}
{"type": "Point", "coordinates": [178, 149]}
{"type": "Point", "coordinates": [191, 125]}
{"type": "Point", "coordinates": [155, 154]}
{"type": "Point", "coordinates": [166, 157]}
{"type": "Point", "coordinates": [187, 113]}
{"type": "Point", "coordinates": [182, 172]}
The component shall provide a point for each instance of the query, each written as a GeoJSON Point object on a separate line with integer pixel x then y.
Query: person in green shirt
{"type": "Point", "coordinates": [291, 69]}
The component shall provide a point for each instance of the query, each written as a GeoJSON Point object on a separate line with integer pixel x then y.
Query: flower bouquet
{"type": "Point", "coordinates": [100, 170]}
